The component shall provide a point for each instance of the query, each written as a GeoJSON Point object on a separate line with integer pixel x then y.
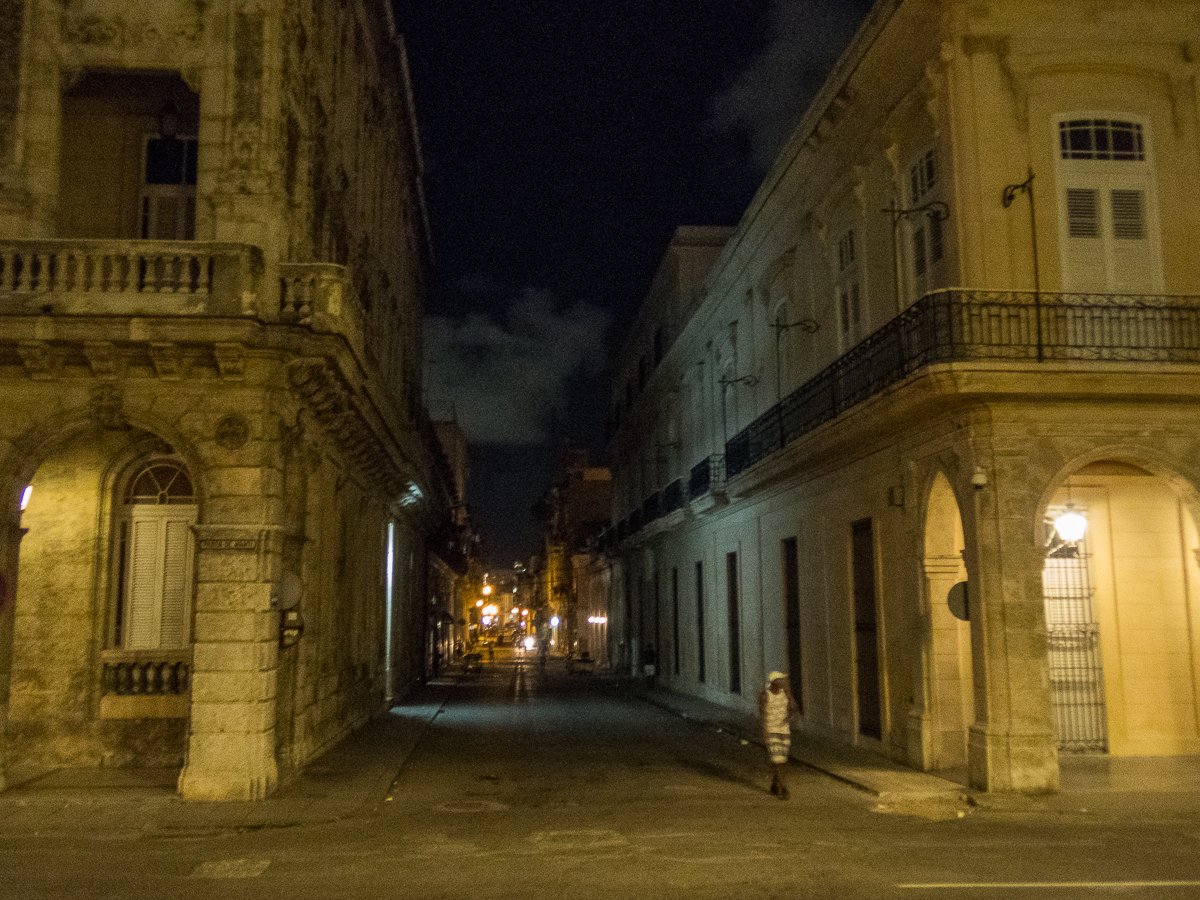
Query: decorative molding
{"type": "Point", "coordinates": [336, 410]}
{"type": "Point", "coordinates": [231, 361]}
{"type": "Point", "coordinates": [42, 361]}
{"type": "Point", "coordinates": [107, 407]}
{"type": "Point", "coordinates": [114, 32]}
{"type": "Point", "coordinates": [167, 359]}
{"type": "Point", "coordinates": [103, 358]}
{"type": "Point", "coordinates": [232, 432]}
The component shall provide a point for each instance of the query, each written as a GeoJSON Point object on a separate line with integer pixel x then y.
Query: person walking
{"type": "Point", "coordinates": [776, 709]}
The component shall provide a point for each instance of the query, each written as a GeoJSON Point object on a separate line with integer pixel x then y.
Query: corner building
{"type": "Point", "coordinates": [963, 302]}
{"type": "Point", "coordinates": [215, 487]}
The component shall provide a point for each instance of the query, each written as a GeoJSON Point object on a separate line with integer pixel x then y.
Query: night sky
{"type": "Point", "coordinates": [564, 141]}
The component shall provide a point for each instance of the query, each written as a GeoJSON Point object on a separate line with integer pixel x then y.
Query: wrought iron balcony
{"type": "Point", "coordinates": [706, 476]}
{"type": "Point", "coordinates": [952, 326]}
{"type": "Point", "coordinates": [673, 497]}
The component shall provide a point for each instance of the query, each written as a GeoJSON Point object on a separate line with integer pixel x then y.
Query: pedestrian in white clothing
{"type": "Point", "coordinates": [776, 709]}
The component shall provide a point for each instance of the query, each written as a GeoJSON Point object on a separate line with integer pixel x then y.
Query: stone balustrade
{"type": "Point", "coordinates": [314, 294]}
{"type": "Point", "coordinates": [146, 673]}
{"type": "Point", "coordinates": [172, 278]}
{"type": "Point", "coordinates": [129, 278]}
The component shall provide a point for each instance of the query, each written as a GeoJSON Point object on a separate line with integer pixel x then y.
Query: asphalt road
{"type": "Point", "coordinates": [540, 785]}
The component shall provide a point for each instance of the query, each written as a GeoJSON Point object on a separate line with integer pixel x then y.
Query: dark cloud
{"type": "Point", "coordinates": [506, 376]}
{"type": "Point", "coordinates": [766, 101]}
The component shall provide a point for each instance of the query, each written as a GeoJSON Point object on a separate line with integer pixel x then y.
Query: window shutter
{"type": "Point", "coordinates": [1083, 213]}
{"type": "Point", "coordinates": [1132, 262]}
{"type": "Point", "coordinates": [143, 582]}
{"type": "Point", "coordinates": [1129, 215]}
{"type": "Point", "coordinates": [176, 568]}
{"type": "Point", "coordinates": [159, 577]}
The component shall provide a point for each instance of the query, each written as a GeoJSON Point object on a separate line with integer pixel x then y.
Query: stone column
{"type": "Point", "coordinates": [941, 574]}
{"type": "Point", "coordinates": [231, 745]}
{"type": "Point", "coordinates": [10, 548]}
{"type": "Point", "coordinates": [1012, 746]}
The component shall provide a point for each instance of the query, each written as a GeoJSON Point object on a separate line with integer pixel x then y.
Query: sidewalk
{"type": "Point", "coordinates": [1095, 786]}
{"type": "Point", "coordinates": [855, 766]}
{"type": "Point", "coordinates": [342, 783]}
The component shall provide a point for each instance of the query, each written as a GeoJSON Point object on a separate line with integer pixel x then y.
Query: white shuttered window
{"type": "Point", "coordinates": [1109, 242]}
{"type": "Point", "coordinates": [157, 548]}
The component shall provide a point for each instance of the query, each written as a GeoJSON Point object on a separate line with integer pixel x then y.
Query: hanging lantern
{"type": "Point", "coordinates": [1070, 525]}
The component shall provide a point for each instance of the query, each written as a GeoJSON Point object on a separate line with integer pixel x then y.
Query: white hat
{"type": "Point", "coordinates": [774, 676]}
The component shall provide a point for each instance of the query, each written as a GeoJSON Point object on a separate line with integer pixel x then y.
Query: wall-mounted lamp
{"type": "Point", "coordinates": [1070, 525]}
{"type": "Point", "coordinates": [896, 496]}
{"type": "Point", "coordinates": [25, 495]}
{"type": "Point", "coordinates": [979, 478]}
{"type": "Point", "coordinates": [808, 326]}
{"type": "Point", "coordinates": [747, 380]}
{"type": "Point", "coordinates": [1007, 199]}
{"type": "Point", "coordinates": [935, 211]}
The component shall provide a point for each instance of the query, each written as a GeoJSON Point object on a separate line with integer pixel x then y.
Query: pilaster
{"type": "Point", "coordinates": [231, 748]}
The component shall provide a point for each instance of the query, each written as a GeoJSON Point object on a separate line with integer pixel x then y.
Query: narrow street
{"type": "Point", "coordinates": [529, 784]}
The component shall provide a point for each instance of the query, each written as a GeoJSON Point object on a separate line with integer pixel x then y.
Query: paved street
{"type": "Point", "coordinates": [523, 784]}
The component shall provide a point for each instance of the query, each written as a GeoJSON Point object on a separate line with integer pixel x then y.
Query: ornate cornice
{"type": "Point", "coordinates": [339, 411]}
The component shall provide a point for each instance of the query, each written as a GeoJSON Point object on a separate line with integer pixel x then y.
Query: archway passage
{"type": "Point", "coordinates": [950, 687]}
{"type": "Point", "coordinates": [1122, 615]}
{"type": "Point", "coordinates": [101, 638]}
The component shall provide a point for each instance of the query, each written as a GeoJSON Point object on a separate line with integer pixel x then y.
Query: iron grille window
{"type": "Point", "coordinates": [1073, 647]}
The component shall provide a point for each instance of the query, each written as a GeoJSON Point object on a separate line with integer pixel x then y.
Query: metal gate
{"type": "Point", "coordinates": [1073, 643]}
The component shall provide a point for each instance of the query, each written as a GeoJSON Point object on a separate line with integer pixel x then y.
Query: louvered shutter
{"type": "Point", "coordinates": [1131, 259]}
{"type": "Point", "coordinates": [159, 583]}
{"type": "Point", "coordinates": [176, 582]}
{"type": "Point", "coordinates": [143, 589]}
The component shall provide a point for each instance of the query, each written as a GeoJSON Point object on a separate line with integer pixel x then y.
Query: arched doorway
{"type": "Point", "coordinates": [949, 680]}
{"type": "Point", "coordinates": [101, 639]}
{"type": "Point", "coordinates": [1122, 610]}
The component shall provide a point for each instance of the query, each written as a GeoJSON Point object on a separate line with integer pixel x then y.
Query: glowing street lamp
{"type": "Point", "coordinates": [1070, 525]}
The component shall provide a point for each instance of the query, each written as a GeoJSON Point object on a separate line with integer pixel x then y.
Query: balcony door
{"type": "Point", "coordinates": [168, 209]}
{"type": "Point", "coordinates": [156, 553]}
{"type": "Point", "coordinates": [1108, 225]}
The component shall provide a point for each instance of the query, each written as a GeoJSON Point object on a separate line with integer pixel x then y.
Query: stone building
{"type": "Point", "coordinates": [214, 467]}
{"type": "Point", "coordinates": [572, 576]}
{"type": "Point", "coordinates": [962, 304]}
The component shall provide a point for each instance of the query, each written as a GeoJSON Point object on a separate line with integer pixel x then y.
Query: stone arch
{"type": "Point", "coordinates": [56, 634]}
{"type": "Point", "coordinates": [1122, 605]}
{"type": "Point", "coordinates": [946, 707]}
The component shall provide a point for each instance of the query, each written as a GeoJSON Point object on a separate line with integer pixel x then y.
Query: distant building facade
{"type": "Point", "coordinates": [455, 547]}
{"type": "Point", "coordinates": [962, 303]}
{"type": "Point", "coordinates": [572, 574]}
{"type": "Point", "coordinates": [215, 471]}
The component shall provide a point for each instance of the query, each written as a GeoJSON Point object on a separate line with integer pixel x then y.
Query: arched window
{"type": "Point", "coordinates": [156, 548]}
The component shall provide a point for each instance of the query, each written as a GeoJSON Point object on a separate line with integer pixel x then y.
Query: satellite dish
{"type": "Point", "coordinates": [959, 602]}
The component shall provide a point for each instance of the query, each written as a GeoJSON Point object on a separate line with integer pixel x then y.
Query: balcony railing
{"type": "Point", "coordinates": [706, 476]}
{"type": "Point", "coordinates": [146, 673]}
{"type": "Point", "coordinates": [129, 278]}
{"type": "Point", "coordinates": [954, 326]}
{"type": "Point", "coordinates": [673, 497]}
